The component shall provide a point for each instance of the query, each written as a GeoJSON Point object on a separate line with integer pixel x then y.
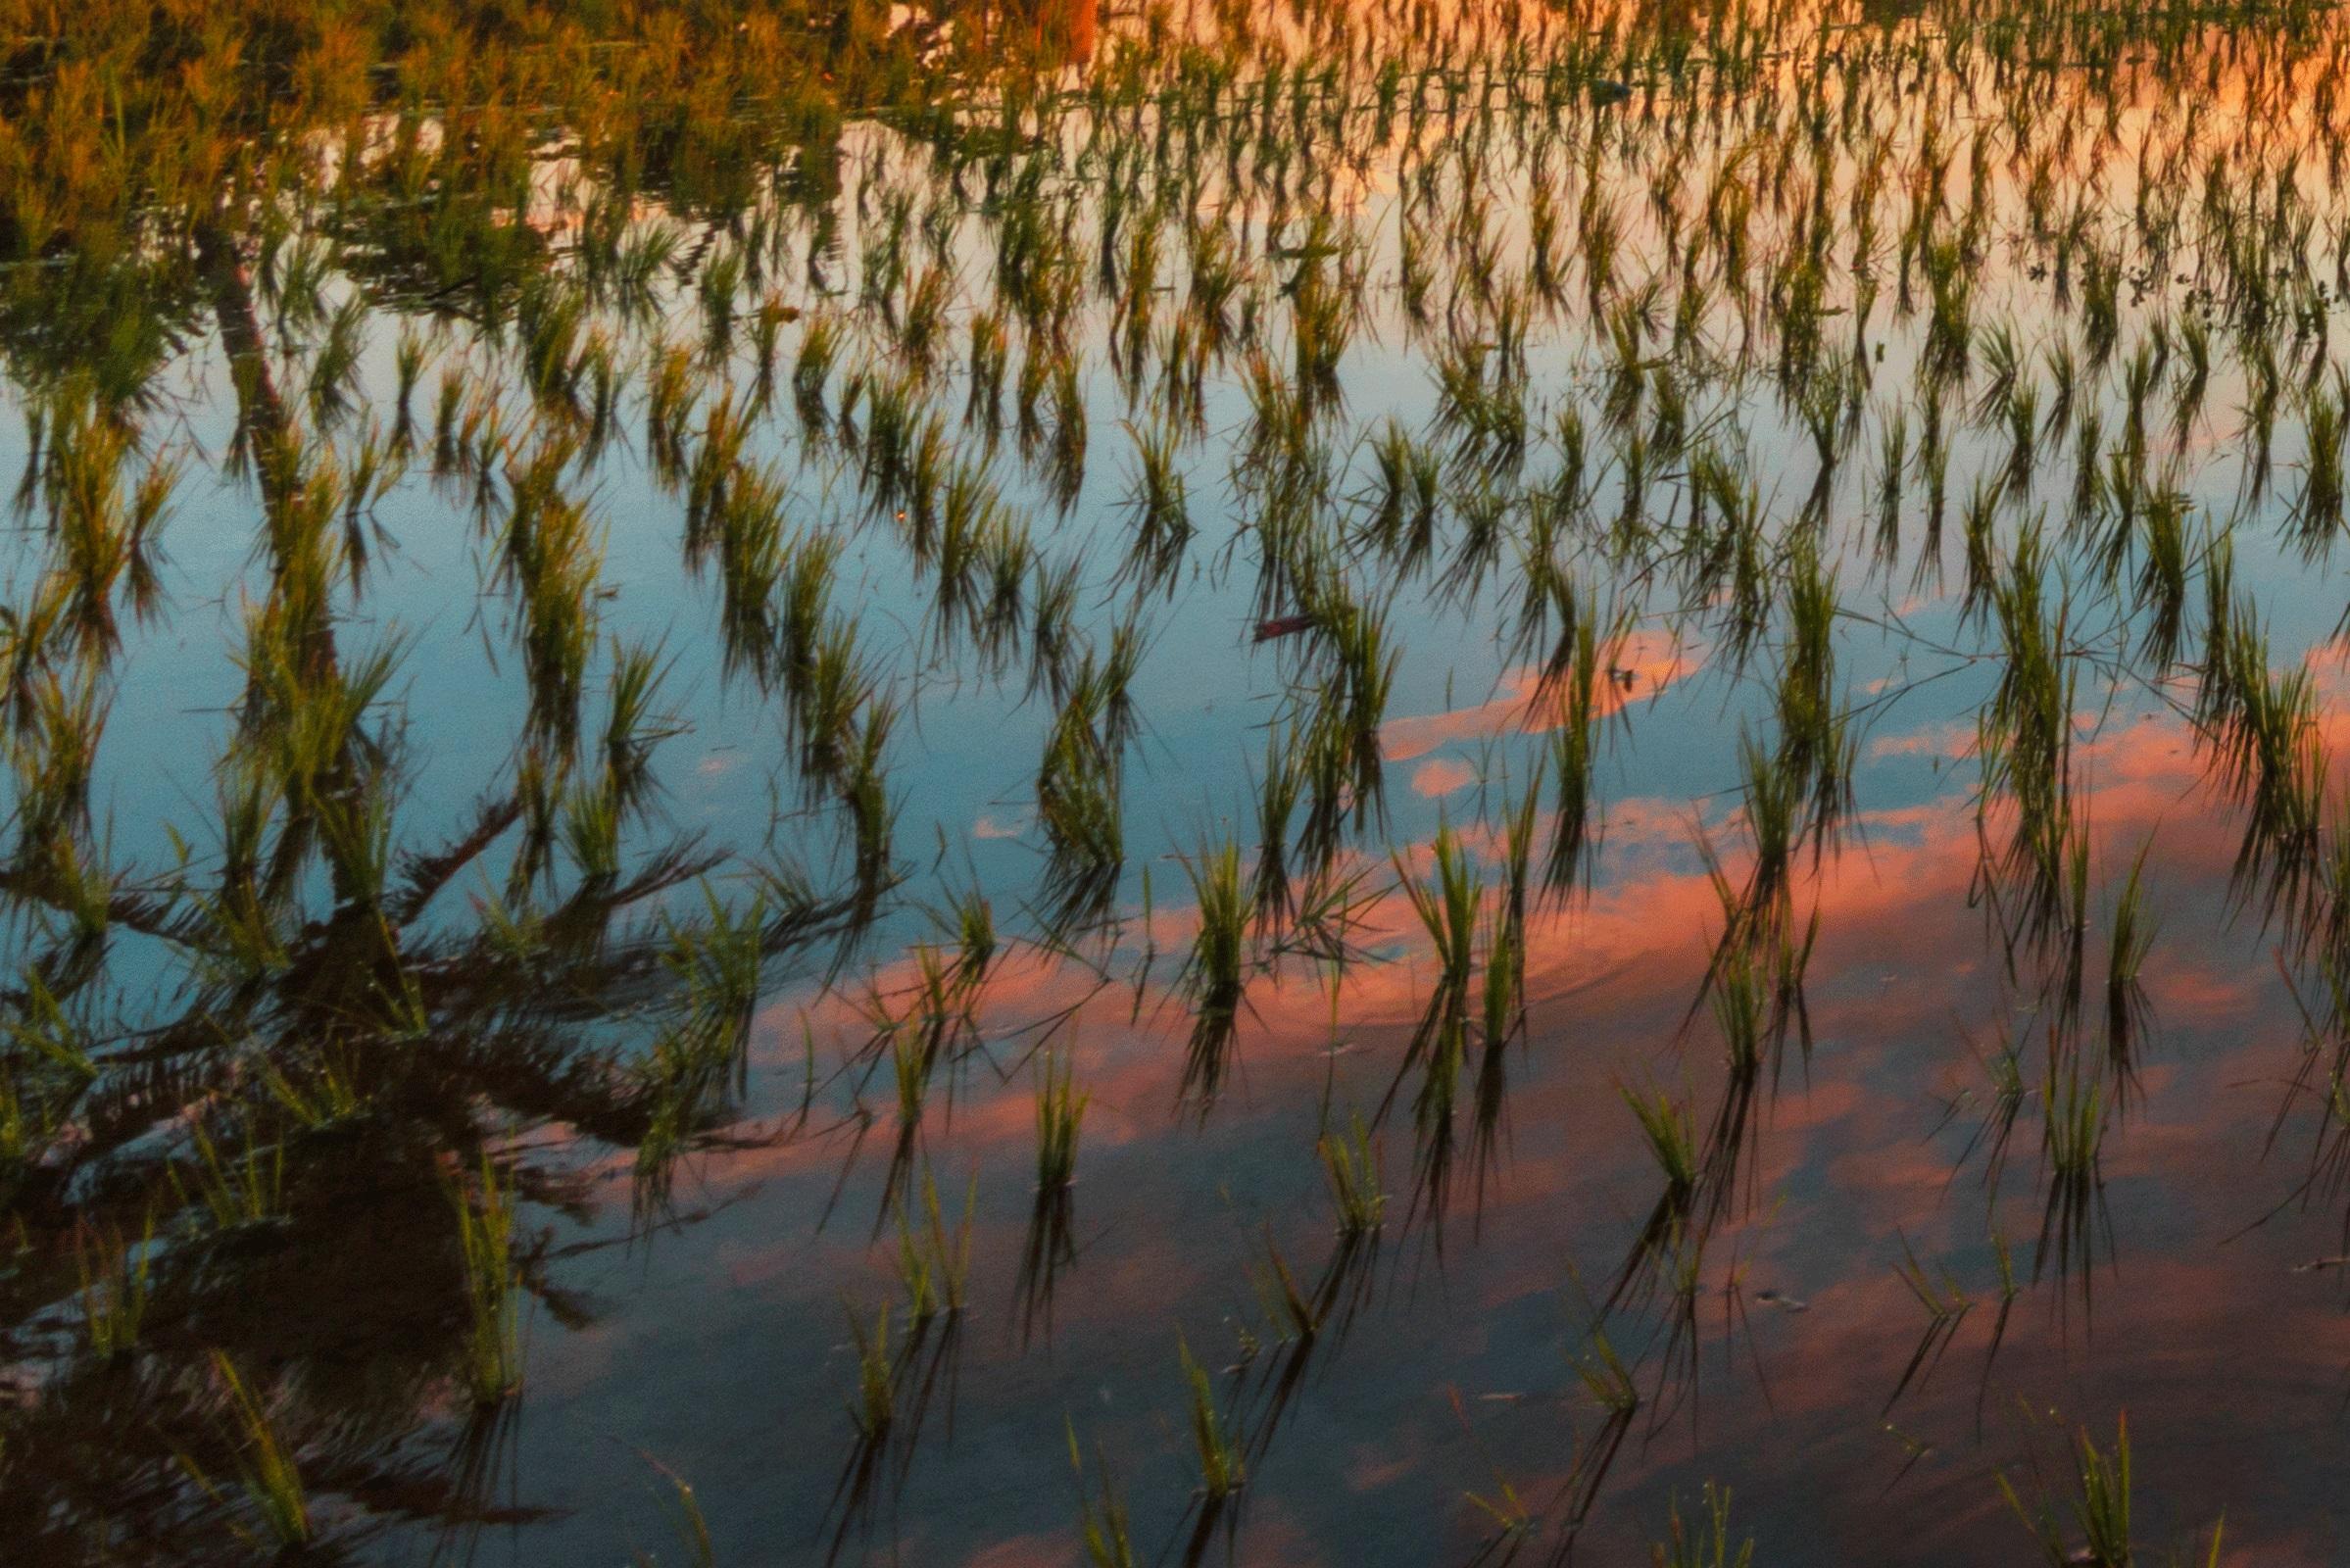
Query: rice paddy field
{"type": "Point", "coordinates": [981, 784]}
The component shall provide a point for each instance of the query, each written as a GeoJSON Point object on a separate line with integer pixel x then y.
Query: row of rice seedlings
{"type": "Point", "coordinates": [1588, 225]}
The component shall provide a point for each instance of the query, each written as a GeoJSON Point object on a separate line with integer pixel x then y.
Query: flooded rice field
{"type": "Point", "coordinates": [1004, 784]}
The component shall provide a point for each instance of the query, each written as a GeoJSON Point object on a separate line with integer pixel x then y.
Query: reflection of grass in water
{"type": "Point", "coordinates": [2072, 1145]}
{"type": "Point", "coordinates": [1351, 1169]}
{"type": "Point", "coordinates": [1666, 1234]}
{"type": "Point", "coordinates": [1078, 796]}
{"type": "Point", "coordinates": [934, 1264]}
{"type": "Point", "coordinates": [2101, 1512]}
{"type": "Point", "coordinates": [1707, 1543]}
{"type": "Point", "coordinates": [1101, 1521]}
{"type": "Point", "coordinates": [104, 522]}
{"type": "Point", "coordinates": [1212, 978]}
{"type": "Point", "coordinates": [1052, 1243]}
{"type": "Point", "coordinates": [114, 1290]}
{"type": "Point", "coordinates": [266, 1465]}
{"type": "Point", "coordinates": [2262, 726]}
{"type": "Point", "coordinates": [691, 1526]}
{"type": "Point", "coordinates": [1723, 276]}
{"type": "Point", "coordinates": [1946, 1305]}
{"type": "Point", "coordinates": [1447, 906]}
{"type": "Point", "coordinates": [1278, 787]}
{"type": "Point", "coordinates": [2130, 941]}
{"type": "Point", "coordinates": [1059, 1117]}
{"type": "Point", "coordinates": [696, 1061]}
{"type": "Point", "coordinates": [2026, 744]}
{"type": "Point", "coordinates": [1223, 1469]}
{"type": "Point", "coordinates": [485, 1221]}
{"type": "Point", "coordinates": [235, 1191]}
